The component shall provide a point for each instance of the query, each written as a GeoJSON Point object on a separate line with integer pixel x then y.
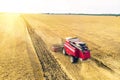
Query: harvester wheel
{"type": "Point", "coordinates": [81, 59]}
{"type": "Point", "coordinates": [64, 52]}
{"type": "Point", "coordinates": [72, 59]}
{"type": "Point", "coordinates": [76, 59]}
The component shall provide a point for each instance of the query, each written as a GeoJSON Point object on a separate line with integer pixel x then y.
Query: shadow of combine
{"type": "Point", "coordinates": [101, 64]}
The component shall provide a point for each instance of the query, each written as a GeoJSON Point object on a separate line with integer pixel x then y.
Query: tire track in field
{"type": "Point", "coordinates": [51, 68]}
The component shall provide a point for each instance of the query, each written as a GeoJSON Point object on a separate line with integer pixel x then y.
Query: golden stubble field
{"type": "Point", "coordinates": [101, 33]}
{"type": "Point", "coordinates": [18, 60]}
{"type": "Point", "coordinates": [25, 42]}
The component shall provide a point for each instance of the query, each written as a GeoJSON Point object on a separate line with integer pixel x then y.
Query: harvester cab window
{"type": "Point", "coordinates": [82, 46]}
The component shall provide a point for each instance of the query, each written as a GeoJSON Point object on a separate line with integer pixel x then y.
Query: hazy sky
{"type": "Point", "coordinates": [61, 6]}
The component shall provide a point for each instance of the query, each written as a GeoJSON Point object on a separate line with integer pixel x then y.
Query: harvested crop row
{"type": "Point", "coordinates": [51, 69]}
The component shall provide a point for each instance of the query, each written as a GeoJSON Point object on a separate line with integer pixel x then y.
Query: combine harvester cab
{"type": "Point", "coordinates": [76, 49]}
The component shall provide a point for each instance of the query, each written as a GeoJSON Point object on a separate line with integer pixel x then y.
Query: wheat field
{"type": "Point", "coordinates": [26, 40]}
{"type": "Point", "coordinates": [101, 33]}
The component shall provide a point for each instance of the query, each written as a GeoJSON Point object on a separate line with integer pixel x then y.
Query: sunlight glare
{"type": "Point", "coordinates": [15, 6]}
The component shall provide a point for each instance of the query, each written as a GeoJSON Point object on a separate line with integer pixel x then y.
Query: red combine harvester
{"type": "Point", "coordinates": [76, 49]}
